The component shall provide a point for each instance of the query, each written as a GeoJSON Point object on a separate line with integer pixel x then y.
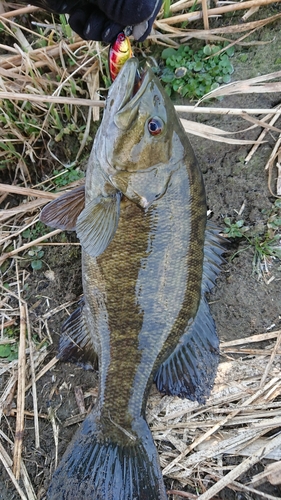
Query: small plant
{"type": "Point", "coordinates": [36, 255]}
{"type": "Point", "coordinates": [9, 351]}
{"type": "Point", "coordinates": [32, 233]}
{"type": "Point", "coordinates": [234, 229]}
{"type": "Point", "coordinates": [266, 246]}
{"type": "Point", "coordinates": [194, 74]}
{"type": "Point", "coordinates": [67, 176]}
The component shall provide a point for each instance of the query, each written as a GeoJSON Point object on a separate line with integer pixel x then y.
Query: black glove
{"type": "Point", "coordinates": [104, 19]}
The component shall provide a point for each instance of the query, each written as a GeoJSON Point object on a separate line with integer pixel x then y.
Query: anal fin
{"type": "Point", "coordinates": [75, 343]}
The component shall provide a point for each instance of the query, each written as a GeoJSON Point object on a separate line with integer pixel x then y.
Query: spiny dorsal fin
{"type": "Point", "coordinates": [98, 222]}
{"type": "Point", "coordinates": [75, 343]}
{"type": "Point", "coordinates": [62, 212]}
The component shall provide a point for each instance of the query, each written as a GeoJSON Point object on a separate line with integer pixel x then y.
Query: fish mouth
{"type": "Point", "coordinates": [128, 86]}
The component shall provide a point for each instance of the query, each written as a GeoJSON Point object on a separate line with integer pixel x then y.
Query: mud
{"type": "Point", "coordinates": [241, 304]}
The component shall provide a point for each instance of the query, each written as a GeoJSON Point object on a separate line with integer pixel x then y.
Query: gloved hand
{"type": "Point", "coordinates": [104, 19]}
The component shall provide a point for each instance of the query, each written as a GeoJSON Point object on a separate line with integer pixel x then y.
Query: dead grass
{"type": "Point", "coordinates": [45, 86]}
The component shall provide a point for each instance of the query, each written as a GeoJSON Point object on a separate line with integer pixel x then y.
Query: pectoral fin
{"type": "Point", "coordinates": [97, 223]}
{"type": "Point", "coordinates": [62, 212]}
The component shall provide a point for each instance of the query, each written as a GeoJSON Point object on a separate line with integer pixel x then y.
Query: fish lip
{"type": "Point", "coordinates": [122, 88]}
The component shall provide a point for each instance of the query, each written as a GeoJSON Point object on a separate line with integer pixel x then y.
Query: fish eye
{"type": "Point", "coordinates": [155, 126]}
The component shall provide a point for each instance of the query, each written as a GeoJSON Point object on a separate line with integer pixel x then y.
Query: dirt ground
{"type": "Point", "coordinates": [241, 304]}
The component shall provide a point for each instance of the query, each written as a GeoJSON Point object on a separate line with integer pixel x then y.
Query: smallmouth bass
{"type": "Point", "coordinates": [148, 258]}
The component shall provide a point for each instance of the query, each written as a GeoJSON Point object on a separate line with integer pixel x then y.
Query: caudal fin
{"type": "Point", "coordinates": [96, 469]}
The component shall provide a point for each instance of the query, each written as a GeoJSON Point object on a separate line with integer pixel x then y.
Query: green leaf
{"type": "Point", "coordinates": [5, 350]}
{"type": "Point", "coordinates": [36, 265]}
{"type": "Point", "coordinates": [198, 66]}
{"type": "Point", "coordinates": [207, 50]}
{"type": "Point", "coordinates": [168, 52]}
{"type": "Point", "coordinates": [226, 79]}
{"type": "Point", "coordinates": [230, 51]}
{"type": "Point", "coordinates": [240, 223]}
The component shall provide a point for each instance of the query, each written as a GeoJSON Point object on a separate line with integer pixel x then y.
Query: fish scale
{"type": "Point", "coordinates": [148, 258]}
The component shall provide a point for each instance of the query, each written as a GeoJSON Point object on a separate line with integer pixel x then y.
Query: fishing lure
{"type": "Point", "coordinates": [119, 52]}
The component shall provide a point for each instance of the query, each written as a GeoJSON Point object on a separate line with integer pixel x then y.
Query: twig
{"type": "Point", "coordinates": [183, 494]}
{"type": "Point", "coordinates": [7, 463]}
{"type": "Point", "coordinates": [21, 387]}
{"type": "Point", "coordinates": [241, 468]}
{"type": "Point", "coordinates": [277, 343]}
{"type": "Point", "coordinates": [8, 188]}
{"type": "Point", "coordinates": [254, 338]}
{"type": "Point", "coordinates": [205, 14]}
{"type": "Point", "coordinates": [28, 245]}
{"type": "Point", "coordinates": [51, 99]}
{"type": "Point", "coordinates": [261, 137]}
{"type": "Point", "coordinates": [194, 16]}
{"type": "Point", "coordinates": [217, 426]}
{"type": "Point", "coordinates": [34, 389]}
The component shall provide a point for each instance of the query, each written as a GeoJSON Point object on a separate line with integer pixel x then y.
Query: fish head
{"type": "Point", "coordinates": [141, 138]}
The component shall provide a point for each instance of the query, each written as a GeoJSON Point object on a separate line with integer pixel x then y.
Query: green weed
{"type": "Point", "coordinates": [36, 255]}
{"type": "Point", "coordinates": [234, 229]}
{"type": "Point", "coordinates": [9, 351]}
{"type": "Point", "coordinates": [193, 74]}
{"type": "Point", "coordinates": [67, 176]}
{"type": "Point", "coordinates": [266, 244]}
{"type": "Point", "coordinates": [32, 233]}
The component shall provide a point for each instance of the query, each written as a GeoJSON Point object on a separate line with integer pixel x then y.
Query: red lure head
{"type": "Point", "coordinates": [120, 50]}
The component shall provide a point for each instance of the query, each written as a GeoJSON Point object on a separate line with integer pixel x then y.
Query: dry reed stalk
{"type": "Point", "coordinates": [7, 463]}
{"type": "Point", "coordinates": [253, 338]}
{"type": "Point", "coordinates": [27, 483]}
{"type": "Point", "coordinates": [205, 14]}
{"type": "Point", "coordinates": [274, 352]}
{"type": "Point", "coordinates": [23, 208]}
{"type": "Point", "coordinates": [227, 111]}
{"type": "Point", "coordinates": [195, 16]}
{"type": "Point", "coordinates": [20, 388]}
{"type": "Point", "coordinates": [8, 188]}
{"type": "Point", "coordinates": [242, 468]}
{"type": "Point", "coordinates": [262, 135]}
{"type": "Point", "coordinates": [271, 473]}
{"type": "Point", "coordinates": [206, 435]}
{"type": "Point", "coordinates": [17, 96]}
{"type": "Point", "coordinates": [29, 245]}
{"type": "Point", "coordinates": [19, 12]}
{"type": "Point", "coordinates": [33, 382]}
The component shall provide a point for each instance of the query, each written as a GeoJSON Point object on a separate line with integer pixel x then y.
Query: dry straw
{"type": "Point", "coordinates": [244, 407]}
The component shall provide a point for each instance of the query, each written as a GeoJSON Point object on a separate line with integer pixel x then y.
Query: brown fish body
{"type": "Point", "coordinates": [147, 262]}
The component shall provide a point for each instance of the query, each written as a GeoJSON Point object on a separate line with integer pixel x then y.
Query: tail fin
{"type": "Point", "coordinates": [101, 470]}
